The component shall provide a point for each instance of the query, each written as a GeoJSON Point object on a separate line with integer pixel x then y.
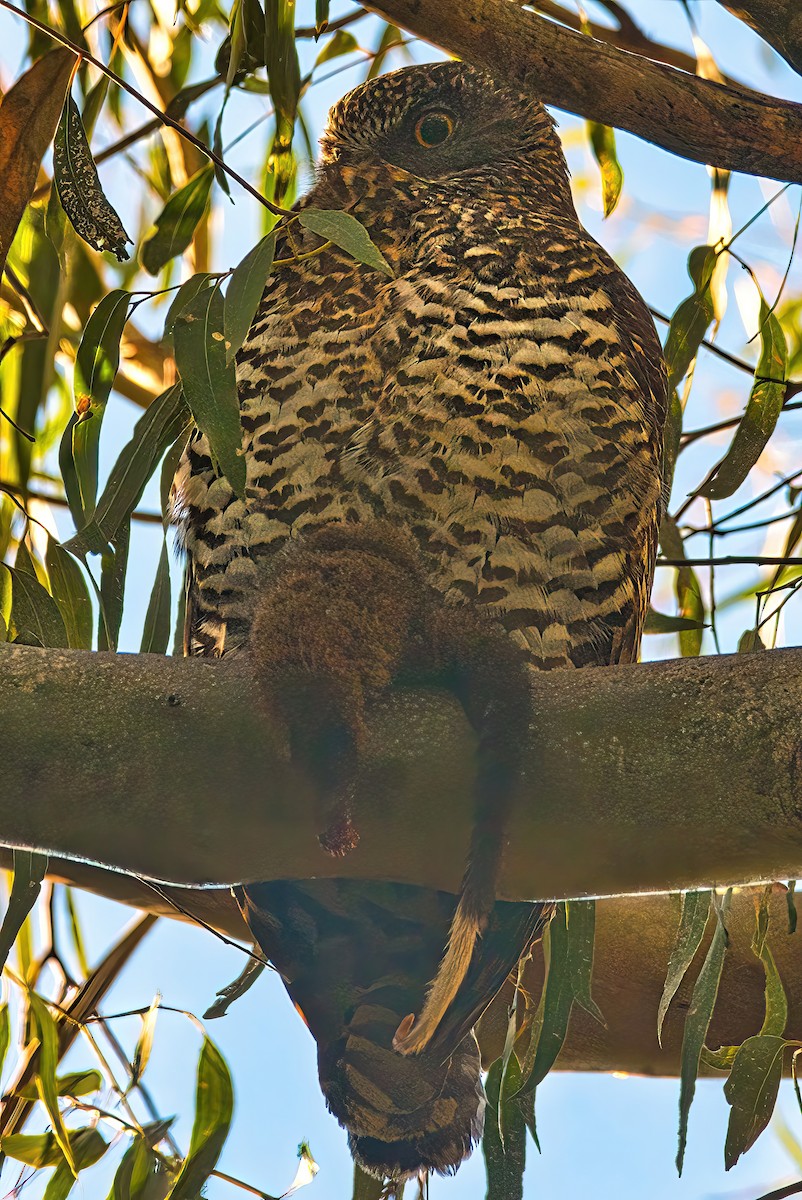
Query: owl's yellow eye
{"type": "Point", "coordinates": [434, 128]}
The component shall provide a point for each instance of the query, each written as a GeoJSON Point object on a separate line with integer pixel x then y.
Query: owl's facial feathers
{"type": "Point", "coordinates": [440, 121]}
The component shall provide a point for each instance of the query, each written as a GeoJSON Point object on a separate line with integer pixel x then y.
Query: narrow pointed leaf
{"type": "Point", "coordinates": [88, 1147]}
{"type": "Point", "coordinates": [341, 42]}
{"type": "Point", "coordinates": [76, 1083]}
{"type": "Point", "coordinates": [29, 115]}
{"type": "Point", "coordinates": [214, 1105]}
{"type": "Point", "coordinates": [692, 319]}
{"type": "Point", "coordinates": [35, 618]}
{"type": "Point", "coordinates": [144, 1043]}
{"type": "Point", "coordinates": [602, 142]}
{"type": "Point", "coordinates": [5, 1034]}
{"type": "Point", "coordinates": [187, 292]}
{"type": "Point", "coordinates": [138, 1165]}
{"type": "Point", "coordinates": [156, 631]}
{"type": "Point", "coordinates": [504, 1138]}
{"type": "Point", "coordinates": [691, 930]}
{"type": "Point", "coordinates": [227, 995]}
{"type": "Point", "coordinates": [82, 197]}
{"type": "Point", "coordinates": [762, 411]}
{"type": "Point", "coordinates": [346, 232]}
{"type": "Point", "coordinates": [209, 382]}
{"type": "Point", "coordinates": [95, 368]}
{"type": "Point", "coordinates": [71, 594]}
{"type": "Point", "coordinates": [657, 622]}
{"type": "Point", "coordinates": [688, 591]}
{"type": "Point", "coordinates": [581, 917]}
{"type": "Point", "coordinates": [113, 569]}
{"type": "Point", "coordinates": [697, 1023]}
{"type": "Point", "coordinates": [244, 292]}
{"type": "Point", "coordinates": [177, 222]}
{"type": "Point", "coordinates": [751, 1091]}
{"type": "Point", "coordinates": [47, 1034]}
{"type": "Point", "coordinates": [29, 871]}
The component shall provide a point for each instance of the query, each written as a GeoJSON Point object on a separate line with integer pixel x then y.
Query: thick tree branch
{"type": "Point", "coordinates": [659, 776]}
{"type": "Point", "coordinates": [728, 127]}
{"type": "Point", "coordinates": [778, 22]}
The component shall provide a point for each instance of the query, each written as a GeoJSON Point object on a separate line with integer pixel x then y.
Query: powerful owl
{"type": "Point", "coordinates": [454, 474]}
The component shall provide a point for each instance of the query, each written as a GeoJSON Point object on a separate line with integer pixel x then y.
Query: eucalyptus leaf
{"type": "Point", "coordinates": [751, 1091]}
{"type": "Point", "coordinates": [82, 197]}
{"type": "Point", "coordinates": [29, 871]}
{"type": "Point", "coordinates": [504, 1137]}
{"type": "Point", "coordinates": [69, 590]}
{"type": "Point", "coordinates": [176, 224]}
{"type": "Point", "coordinates": [692, 319]}
{"type": "Point", "coordinates": [210, 385]}
{"type": "Point", "coordinates": [35, 618]}
{"type": "Point", "coordinates": [156, 631]}
{"type": "Point", "coordinates": [214, 1103]}
{"type": "Point", "coordinates": [245, 290]}
{"type": "Point", "coordinates": [691, 930]}
{"type": "Point", "coordinates": [602, 143]}
{"type": "Point", "coordinates": [346, 232]}
{"type": "Point", "coordinates": [47, 1064]}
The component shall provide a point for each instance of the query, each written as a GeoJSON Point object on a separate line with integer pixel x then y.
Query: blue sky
{"type": "Point", "coordinates": [600, 1136]}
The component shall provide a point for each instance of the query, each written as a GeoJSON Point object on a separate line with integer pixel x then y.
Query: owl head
{"type": "Point", "coordinates": [444, 122]}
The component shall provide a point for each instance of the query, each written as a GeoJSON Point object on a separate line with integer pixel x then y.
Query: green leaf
{"type": "Point", "coordinates": [75, 1083]}
{"type": "Point", "coordinates": [750, 642]}
{"type": "Point", "coordinates": [43, 1150]}
{"type": "Point", "coordinates": [177, 222]}
{"type": "Point", "coordinates": [75, 930]}
{"type": "Point", "coordinates": [95, 368]}
{"type": "Point", "coordinates": [657, 622]}
{"type": "Point", "coordinates": [762, 411]}
{"type": "Point", "coordinates": [691, 930]}
{"type": "Point", "coordinates": [751, 1091]}
{"type": "Point", "coordinates": [71, 594]}
{"type": "Point", "coordinates": [46, 1086]}
{"type": "Point", "coordinates": [504, 1138]}
{"type": "Point", "coordinates": [88, 1147]}
{"type": "Point", "coordinates": [688, 590]}
{"type": "Point", "coordinates": [227, 995]}
{"type": "Point", "coordinates": [244, 293]}
{"type": "Point", "coordinates": [672, 437]}
{"type": "Point", "coordinates": [138, 1165]}
{"type": "Point", "coordinates": [581, 918]}
{"type": "Point", "coordinates": [5, 1034]}
{"type": "Point", "coordinates": [321, 16]}
{"type": "Point", "coordinates": [29, 871]}
{"type": "Point", "coordinates": [692, 318]}
{"type": "Point", "coordinates": [188, 291]}
{"type": "Point", "coordinates": [341, 42]}
{"type": "Point", "coordinates": [158, 427]}
{"type": "Point", "coordinates": [346, 232]}
{"type": "Point", "coordinates": [602, 142]}
{"type": "Point", "coordinates": [697, 1023]}
{"type": "Point", "coordinates": [169, 467]}
{"type": "Point", "coordinates": [35, 618]}
{"type": "Point", "coordinates": [284, 77]}
{"type": "Point", "coordinates": [113, 568]}
{"type": "Point", "coordinates": [144, 1043]}
{"type": "Point", "coordinates": [82, 198]}
{"type": "Point", "coordinates": [156, 631]}
{"type": "Point", "coordinates": [214, 1105]}
{"type": "Point", "coordinates": [210, 385]}
{"type": "Point", "coordinates": [791, 905]}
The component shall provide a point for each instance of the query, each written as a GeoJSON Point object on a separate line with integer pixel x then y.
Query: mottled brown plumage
{"type": "Point", "coordinates": [456, 471]}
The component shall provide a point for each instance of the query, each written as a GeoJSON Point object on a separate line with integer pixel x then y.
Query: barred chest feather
{"type": "Point", "coordinates": [484, 398]}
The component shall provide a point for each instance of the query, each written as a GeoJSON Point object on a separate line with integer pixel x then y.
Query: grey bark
{"type": "Point", "coordinates": [726, 126]}
{"type": "Point", "coordinates": [651, 777]}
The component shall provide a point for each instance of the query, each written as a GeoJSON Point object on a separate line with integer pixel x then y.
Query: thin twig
{"type": "Point", "coordinates": [732, 560]}
{"type": "Point", "coordinates": [13, 489]}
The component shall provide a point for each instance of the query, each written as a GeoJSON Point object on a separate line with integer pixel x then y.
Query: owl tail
{"type": "Point", "coordinates": [402, 1115]}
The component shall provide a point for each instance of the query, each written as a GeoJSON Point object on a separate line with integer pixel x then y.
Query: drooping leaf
{"type": "Point", "coordinates": [672, 438]}
{"type": "Point", "coordinates": [144, 1043]}
{"type": "Point", "coordinates": [232, 991]}
{"type": "Point", "coordinates": [187, 292]}
{"type": "Point", "coordinates": [688, 591]}
{"type": "Point", "coordinates": [29, 871]}
{"type": "Point", "coordinates": [29, 115]}
{"type": "Point", "coordinates": [691, 930]}
{"type": "Point", "coordinates": [35, 618]}
{"type": "Point", "coordinates": [581, 918]}
{"type": "Point", "coordinates": [692, 319]}
{"type": "Point", "coordinates": [88, 1147]}
{"type": "Point", "coordinates": [284, 77]}
{"type": "Point", "coordinates": [504, 1138]}
{"type": "Point", "coordinates": [69, 590]}
{"type": "Point", "coordinates": [154, 432]}
{"type": "Point", "coordinates": [750, 642]}
{"type": "Point", "coordinates": [82, 197]}
{"type": "Point", "coordinates": [5, 1034]}
{"type": "Point", "coordinates": [346, 232]}
{"type": "Point", "coordinates": [156, 630]}
{"type": "Point", "coordinates": [95, 368]}
{"type": "Point", "coordinates": [790, 902]}
{"type": "Point", "coordinates": [751, 1091]}
{"type": "Point", "coordinates": [210, 386]}
{"type": "Point", "coordinates": [602, 142]}
{"type": "Point", "coordinates": [113, 568]}
{"type": "Point", "coordinates": [321, 16]}
{"type": "Point", "coordinates": [697, 1023]}
{"type": "Point", "coordinates": [657, 622]}
{"type": "Point", "coordinates": [169, 467]}
{"type": "Point", "coordinates": [76, 1083]}
{"type": "Point", "coordinates": [76, 933]}
{"type": "Point", "coordinates": [177, 222]}
{"type": "Point", "coordinates": [43, 1149]}
{"type": "Point", "coordinates": [341, 42]}
{"type": "Point", "coordinates": [214, 1103]}
{"type": "Point", "coordinates": [244, 293]}
{"type": "Point", "coordinates": [138, 1164]}
{"type": "Point", "coordinates": [47, 1064]}
{"type": "Point", "coordinates": [762, 411]}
